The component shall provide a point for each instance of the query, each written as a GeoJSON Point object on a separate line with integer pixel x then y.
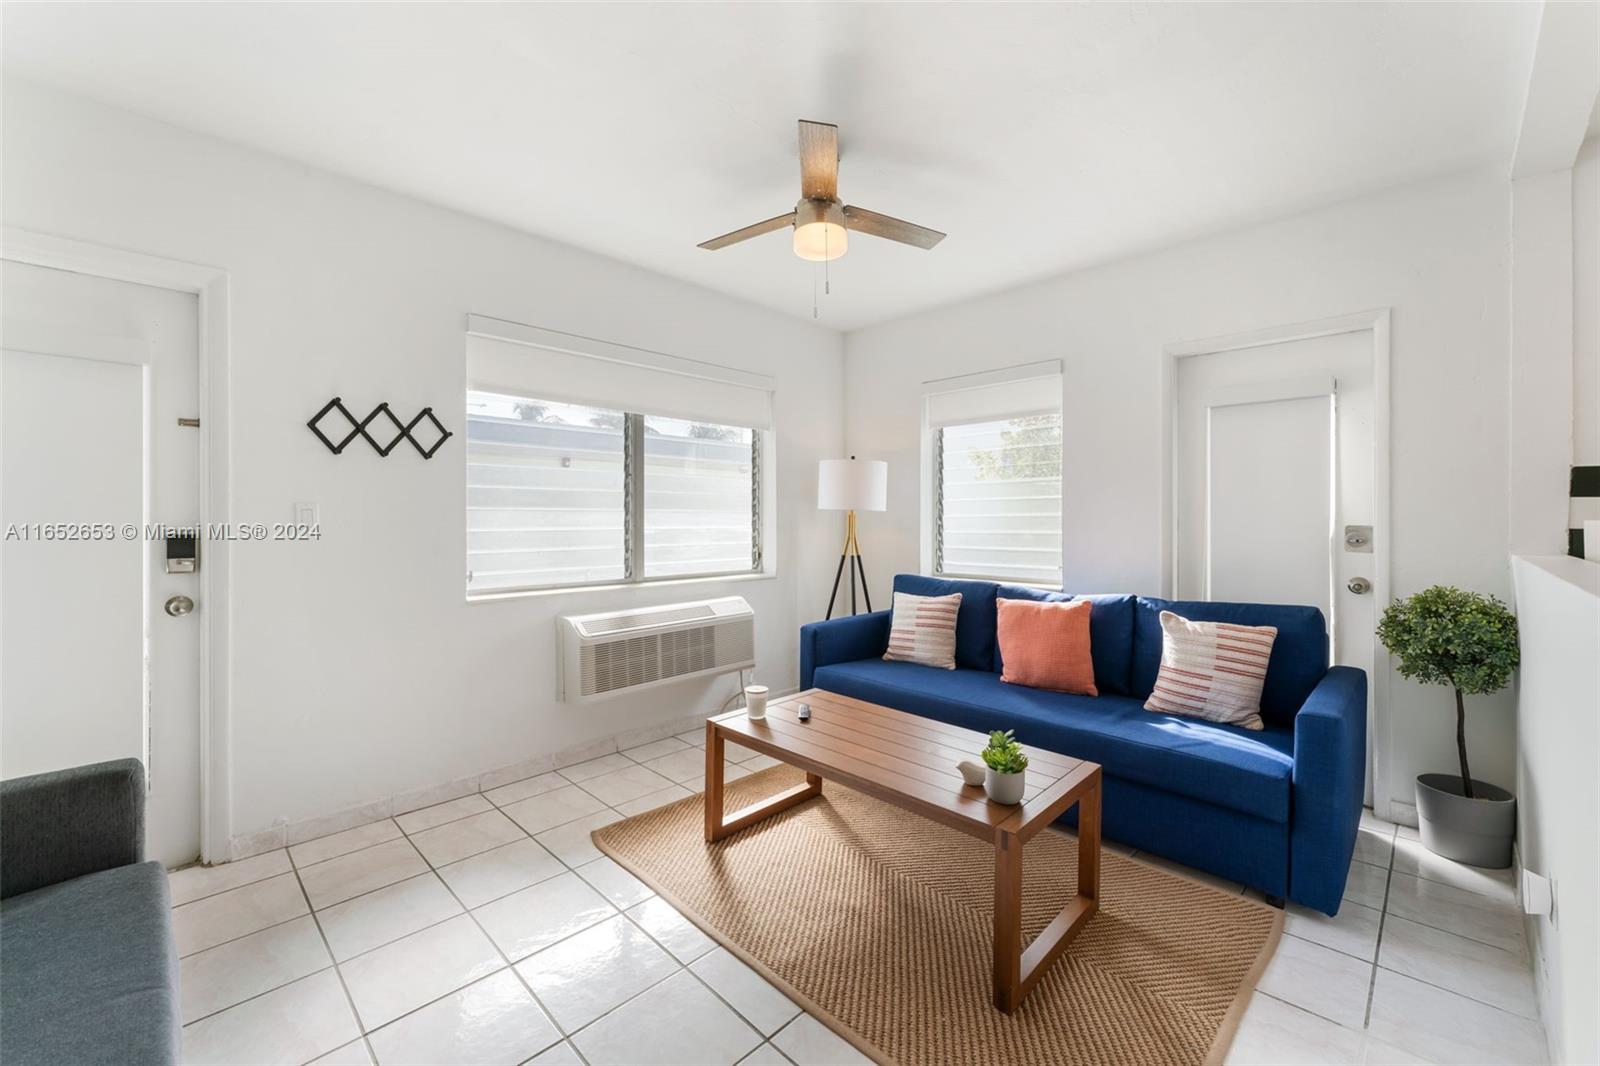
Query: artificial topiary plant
{"type": "Point", "coordinates": [1004, 755]}
{"type": "Point", "coordinates": [1444, 636]}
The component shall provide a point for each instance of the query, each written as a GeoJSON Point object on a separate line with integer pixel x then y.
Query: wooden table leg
{"type": "Point", "coordinates": [715, 753]}
{"type": "Point", "coordinates": [718, 824]}
{"type": "Point", "coordinates": [1089, 843]}
{"type": "Point", "coordinates": [1007, 921]}
{"type": "Point", "coordinates": [1017, 970]}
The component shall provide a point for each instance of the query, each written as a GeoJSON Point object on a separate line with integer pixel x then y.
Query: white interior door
{"type": "Point", "coordinates": [1275, 458]}
{"type": "Point", "coordinates": [95, 375]}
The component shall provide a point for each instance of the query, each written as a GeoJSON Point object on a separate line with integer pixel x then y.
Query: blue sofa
{"type": "Point", "coordinates": [1275, 809]}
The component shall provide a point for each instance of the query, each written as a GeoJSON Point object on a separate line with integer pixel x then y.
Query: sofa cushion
{"type": "Point", "coordinates": [922, 629]}
{"type": "Point", "coordinates": [974, 622]}
{"type": "Point", "coordinates": [1110, 634]}
{"type": "Point", "coordinates": [91, 971]}
{"type": "Point", "coordinates": [1299, 654]}
{"type": "Point", "coordinates": [1046, 645]}
{"type": "Point", "coordinates": [1223, 765]}
{"type": "Point", "coordinates": [1212, 670]}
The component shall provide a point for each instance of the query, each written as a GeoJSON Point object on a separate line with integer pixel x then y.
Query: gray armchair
{"type": "Point", "coordinates": [88, 965]}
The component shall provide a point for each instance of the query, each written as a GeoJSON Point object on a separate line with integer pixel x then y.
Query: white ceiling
{"type": "Point", "coordinates": [1040, 137]}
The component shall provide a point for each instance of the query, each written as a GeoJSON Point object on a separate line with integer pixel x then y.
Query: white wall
{"type": "Point", "coordinates": [1558, 798]}
{"type": "Point", "coordinates": [1586, 305]}
{"type": "Point", "coordinates": [359, 671]}
{"type": "Point", "coordinates": [1540, 379]}
{"type": "Point", "coordinates": [1436, 253]}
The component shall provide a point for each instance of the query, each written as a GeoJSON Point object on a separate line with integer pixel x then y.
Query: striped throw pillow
{"type": "Point", "coordinates": [923, 630]}
{"type": "Point", "coordinates": [1212, 670]}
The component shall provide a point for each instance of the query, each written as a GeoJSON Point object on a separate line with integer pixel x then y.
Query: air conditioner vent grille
{"type": "Point", "coordinates": [632, 661]}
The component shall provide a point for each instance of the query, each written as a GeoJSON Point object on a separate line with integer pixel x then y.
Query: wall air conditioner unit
{"type": "Point", "coordinates": [622, 651]}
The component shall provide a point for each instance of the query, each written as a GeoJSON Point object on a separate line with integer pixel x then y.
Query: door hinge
{"type": "Point", "coordinates": [189, 423]}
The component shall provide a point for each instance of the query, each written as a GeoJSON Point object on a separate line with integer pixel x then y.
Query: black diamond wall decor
{"type": "Point", "coordinates": [358, 428]}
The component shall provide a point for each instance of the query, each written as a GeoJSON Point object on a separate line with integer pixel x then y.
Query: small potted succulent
{"type": "Point", "coordinates": [1444, 636]}
{"type": "Point", "coordinates": [1005, 764]}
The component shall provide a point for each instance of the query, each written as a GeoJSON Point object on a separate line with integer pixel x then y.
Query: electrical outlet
{"type": "Point", "coordinates": [1538, 896]}
{"type": "Point", "coordinates": [307, 514]}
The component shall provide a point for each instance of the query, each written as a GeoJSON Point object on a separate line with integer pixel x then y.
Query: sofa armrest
{"type": "Point", "coordinates": [67, 823]}
{"type": "Point", "coordinates": [1330, 769]}
{"type": "Point", "coordinates": [842, 640]}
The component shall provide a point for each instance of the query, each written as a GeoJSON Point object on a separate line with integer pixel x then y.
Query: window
{"type": "Point", "coordinates": [700, 493]}
{"type": "Point", "coordinates": [562, 494]}
{"type": "Point", "coordinates": [997, 510]}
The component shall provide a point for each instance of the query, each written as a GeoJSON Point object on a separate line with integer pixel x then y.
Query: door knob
{"type": "Point", "coordinates": [1360, 586]}
{"type": "Point", "coordinates": [178, 606]}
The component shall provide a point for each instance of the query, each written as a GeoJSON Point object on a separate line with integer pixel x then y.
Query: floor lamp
{"type": "Point", "coordinates": [852, 485]}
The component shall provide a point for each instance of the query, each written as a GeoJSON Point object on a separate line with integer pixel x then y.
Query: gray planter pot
{"type": "Point", "coordinates": [1004, 788]}
{"type": "Point", "coordinates": [1475, 831]}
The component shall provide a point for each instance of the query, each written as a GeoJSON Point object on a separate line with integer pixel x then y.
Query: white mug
{"type": "Point", "coordinates": [755, 702]}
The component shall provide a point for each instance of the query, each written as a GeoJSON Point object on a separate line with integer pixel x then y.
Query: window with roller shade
{"type": "Point", "coordinates": [546, 485]}
{"type": "Point", "coordinates": [563, 491]}
{"type": "Point", "coordinates": [997, 482]}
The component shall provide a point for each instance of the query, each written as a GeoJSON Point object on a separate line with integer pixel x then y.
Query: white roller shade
{"type": "Point", "coordinates": [1021, 391]}
{"type": "Point", "coordinates": [518, 360]}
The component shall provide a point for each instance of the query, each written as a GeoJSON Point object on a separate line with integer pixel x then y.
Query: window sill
{"type": "Point", "coordinates": [1042, 587]}
{"type": "Point", "coordinates": [578, 590]}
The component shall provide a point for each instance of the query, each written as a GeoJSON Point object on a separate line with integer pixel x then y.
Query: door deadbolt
{"type": "Point", "coordinates": [178, 606]}
{"type": "Point", "coordinates": [1359, 585]}
{"type": "Point", "coordinates": [1358, 538]}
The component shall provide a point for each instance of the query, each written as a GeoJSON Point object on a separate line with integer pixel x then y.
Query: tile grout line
{"type": "Point", "coordinates": [1377, 948]}
{"type": "Point", "coordinates": [1471, 999]}
{"type": "Point", "coordinates": [293, 865]}
{"type": "Point", "coordinates": [688, 967]}
{"type": "Point", "coordinates": [452, 821]}
{"type": "Point", "coordinates": [432, 870]}
{"type": "Point", "coordinates": [1452, 932]}
{"type": "Point", "coordinates": [253, 932]}
{"type": "Point", "coordinates": [266, 992]}
{"type": "Point", "coordinates": [574, 867]}
{"type": "Point", "coordinates": [509, 965]}
{"type": "Point", "coordinates": [620, 912]}
{"type": "Point", "coordinates": [349, 999]}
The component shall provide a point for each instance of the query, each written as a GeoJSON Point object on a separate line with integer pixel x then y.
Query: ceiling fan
{"type": "Point", "coordinates": [822, 224]}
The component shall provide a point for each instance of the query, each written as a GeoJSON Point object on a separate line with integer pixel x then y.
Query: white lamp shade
{"type": "Point", "coordinates": [852, 485]}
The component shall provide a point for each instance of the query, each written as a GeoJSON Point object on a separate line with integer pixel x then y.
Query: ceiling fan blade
{"type": "Point", "coordinates": [819, 160]}
{"type": "Point", "coordinates": [775, 222]}
{"type": "Point", "coordinates": [860, 220]}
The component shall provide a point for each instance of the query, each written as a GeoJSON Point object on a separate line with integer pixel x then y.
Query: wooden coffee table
{"type": "Point", "coordinates": [910, 761]}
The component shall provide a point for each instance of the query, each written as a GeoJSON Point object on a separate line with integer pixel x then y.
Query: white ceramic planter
{"type": "Point", "coordinates": [1003, 788]}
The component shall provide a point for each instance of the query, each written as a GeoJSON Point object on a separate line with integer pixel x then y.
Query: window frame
{"type": "Point", "coordinates": [633, 491]}
{"type": "Point", "coordinates": [936, 455]}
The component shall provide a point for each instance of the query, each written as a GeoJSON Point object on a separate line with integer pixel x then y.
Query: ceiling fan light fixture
{"type": "Point", "coordinates": [819, 230]}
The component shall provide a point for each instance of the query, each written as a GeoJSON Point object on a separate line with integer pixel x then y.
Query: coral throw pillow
{"type": "Point", "coordinates": [1046, 645]}
{"type": "Point", "coordinates": [1212, 670]}
{"type": "Point", "coordinates": [923, 630]}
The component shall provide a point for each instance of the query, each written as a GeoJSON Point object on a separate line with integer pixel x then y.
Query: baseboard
{"type": "Point", "coordinates": [1544, 995]}
{"type": "Point", "coordinates": [1403, 813]}
{"type": "Point", "coordinates": [286, 833]}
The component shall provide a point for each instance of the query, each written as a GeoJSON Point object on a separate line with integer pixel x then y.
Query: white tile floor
{"type": "Point", "coordinates": [1425, 963]}
{"type": "Point", "coordinates": [488, 929]}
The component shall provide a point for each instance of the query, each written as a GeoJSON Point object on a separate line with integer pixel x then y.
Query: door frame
{"type": "Point", "coordinates": [210, 285]}
{"type": "Point", "coordinates": [1377, 322]}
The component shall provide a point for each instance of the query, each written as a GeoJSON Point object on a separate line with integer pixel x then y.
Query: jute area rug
{"type": "Point", "coordinates": [880, 922]}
